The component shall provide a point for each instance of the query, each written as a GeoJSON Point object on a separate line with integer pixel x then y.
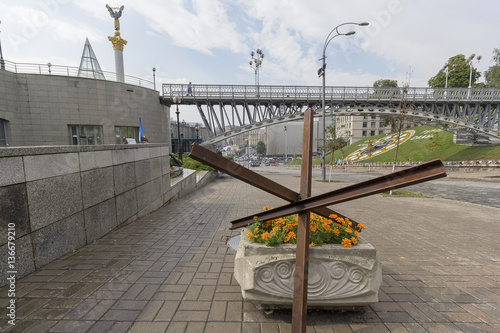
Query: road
{"type": "Point", "coordinates": [483, 192]}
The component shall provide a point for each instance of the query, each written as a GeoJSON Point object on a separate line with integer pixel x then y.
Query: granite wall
{"type": "Point", "coordinates": [60, 198]}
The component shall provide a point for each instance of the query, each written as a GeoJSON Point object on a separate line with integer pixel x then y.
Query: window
{"type": "Point", "coordinates": [3, 133]}
{"type": "Point", "coordinates": [364, 133]}
{"type": "Point", "coordinates": [86, 134]}
{"type": "Point", "coordinates": [381, 124]}
{"type": "Point", "coordinates": [365, 124]}
{"type": "Point", "coordinates": [372, 133]}
{"type": "Point", "coordinates": [374, 117]}
{"type": "Point", "coordinates": [127, 132]}
{"type": "Point", "coordinates": [373, 124]}
{"type": "Point", "coordinates": [365, 117]}
{"type": "Point", "coordinates": [381, 132]}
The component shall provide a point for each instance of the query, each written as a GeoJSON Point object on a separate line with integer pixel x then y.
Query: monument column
{"type": "Point", "coordinates": [118, 42]}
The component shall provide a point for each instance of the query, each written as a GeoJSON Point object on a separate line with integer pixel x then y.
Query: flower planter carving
{"type": "Point", "coordinates": [339, 277]}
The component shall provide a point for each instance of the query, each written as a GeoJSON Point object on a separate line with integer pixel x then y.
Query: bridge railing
{"type": "Point", "coordinates": [313, 93]}
{"type": "Point", "coordinates": [46, 69]}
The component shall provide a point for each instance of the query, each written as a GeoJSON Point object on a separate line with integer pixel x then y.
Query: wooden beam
{"type": "Point", "coordinates": [415, 175]}
{"type": "Point", "coordinates": [301, 273]}
{"type": "Point", "coordinates": [218, 162]}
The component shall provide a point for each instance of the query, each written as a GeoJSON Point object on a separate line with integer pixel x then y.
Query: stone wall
{"type": "Point", "coordinates": [62, 197]}
{"type": "Point", "coordinates": [39, 109]}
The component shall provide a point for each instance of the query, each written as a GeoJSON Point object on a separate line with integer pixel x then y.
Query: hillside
{"type": "Point", "coordinates": [417, 149]}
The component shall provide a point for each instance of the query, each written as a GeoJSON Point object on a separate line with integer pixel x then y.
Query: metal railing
{"type": "Point", "coordinates": [58, 70]}
{"type": "Point", "coordinates": [312, 93]}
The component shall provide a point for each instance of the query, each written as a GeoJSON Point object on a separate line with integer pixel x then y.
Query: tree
{"type": "Point", "coordinates": [261, 148]}
{"type": "Point", "coordinates": [332, 143]}
{"type": "Point", "coordinates": [385, 83]}
{"type": "Point", "coordinates": [458, 74]}
{"type": "Point", "coordinates": [492, 75]}
{"type": "Point", "coordinates": [434, 142]}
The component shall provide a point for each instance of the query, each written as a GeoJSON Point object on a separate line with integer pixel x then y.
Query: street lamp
{"type": "Point", "coordinates": [197, 129]}
{"type": "Point", "coordinates": [321, 73]}
{"type": "Point", "coordinates": [2, 63]}
{"type": "Point", "coordinates": [447, 69]}
{"type": "Point", "coordinates": [470, 63]}
{"type": "Point", "coordinates": [177, 100]}
{"type": "Point", "coordinates": [154, 78]}
{"type": "Point", "coordinates": [286, 145]}
{"type": "Point", "coordinates": [255, 63]}
{"type": "Point", "coordinates": [49, 65]}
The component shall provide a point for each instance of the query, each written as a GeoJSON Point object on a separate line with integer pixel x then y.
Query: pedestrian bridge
{"type": "Point", "coordinates": [228, 110]}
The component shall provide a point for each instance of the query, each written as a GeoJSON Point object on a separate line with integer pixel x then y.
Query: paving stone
{"type": "Point", "coordinates": [171, 271]}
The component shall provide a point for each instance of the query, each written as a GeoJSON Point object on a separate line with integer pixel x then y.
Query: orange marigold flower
{"type": "Point", "coordinates": [326, 226]}
{"type": "Point", "coordinates": [266, 207]}
{"type": "Point", "coordinates": [360, 226]}
{"type": "Point", "coordinates": [346, 242]}
{"type": "Point", "coordinates": [356, 233]}
{"type": "Point", "coordinates": [349, 230]}
{"type": "Point", "coordinates": [249, 235]}
{"type": "Point", "coordinates": [332, 216]}
{"type": "Point", "coordinates": [313, 226]}
{"type": "Point", "coordinates": [354, 240]}
{"type": "Point", "coordinates": [286, 239]}
{"type": "Point", "coordinates": [312, 244]}
{"type": "Point", "coordinates": [291, 234]}
{"type": "Point", "coordinates": [266, 235]}
{"type": "Point", "coordinates": [336, 231]}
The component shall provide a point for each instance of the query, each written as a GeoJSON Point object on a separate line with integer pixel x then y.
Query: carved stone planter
{"type": "Point", "coordinates": [339, 277]}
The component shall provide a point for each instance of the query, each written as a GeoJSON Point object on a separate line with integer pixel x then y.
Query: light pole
{"type": "Point", "coordinates": [286, 145]}
{"type": "Point", "coordinates": [470, 62]}
{"type": "Point", "coordinates": [2, 63]}
{"type": "Point", "coordinates": [49, 65]}
{"type": "Point", "coordinates": [255, 63]}
{"type": "Point", "coordinates": [197, 129]}
{"type": "Point", "coordinates": [321, 73]}
{"type": "Point", "coordinates": [154, 78]}
{"type": "Point", "coordinates": [177, 100]}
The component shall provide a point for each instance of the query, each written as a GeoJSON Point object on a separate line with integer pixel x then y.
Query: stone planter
{"type": "Point", "coordinates": [339, 277]}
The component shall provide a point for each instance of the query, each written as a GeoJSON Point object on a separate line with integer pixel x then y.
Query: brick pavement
{"type": "Point", "coordinates": [171, 271]}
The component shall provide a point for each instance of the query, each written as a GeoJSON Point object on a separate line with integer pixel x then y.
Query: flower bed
{"type": "Point", "coordinates": [341, 275]}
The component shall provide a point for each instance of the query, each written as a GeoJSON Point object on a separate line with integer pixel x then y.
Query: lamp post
{"type": "Point", "coordinates": [470, 63]}
{"type": "Point", "coordinates": [197, 129]}
{"type": "Point", "coordinates": [49, 65]}
{"type": "Point", "coordinates": [321, 73]}
{"type": "Point", "coordinates": [154, 78]}
{"type": "Point", "coordinates": [2, 63]}
{"type": "Point", "coordinates": [286, 145]}
{"type": "Point", "coordinates": [177, 100]}
{"type": "Point", "coordinates": [255, 63]}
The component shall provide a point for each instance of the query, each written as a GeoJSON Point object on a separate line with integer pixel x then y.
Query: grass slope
{"type": "Point", "coordinates": [417, 149]}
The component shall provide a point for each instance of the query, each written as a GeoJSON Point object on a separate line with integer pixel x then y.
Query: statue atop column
{"type": "Point", "coordinates": [116, 15]}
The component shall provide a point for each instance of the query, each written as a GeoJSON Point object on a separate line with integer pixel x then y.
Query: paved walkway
{"type": "Point", "coordinates": [171, 271]}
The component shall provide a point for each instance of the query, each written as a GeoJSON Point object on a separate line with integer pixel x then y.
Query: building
{"type": "Point", "coordinates": [190, 133]}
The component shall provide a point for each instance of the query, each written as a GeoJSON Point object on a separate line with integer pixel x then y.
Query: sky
{"type": "Point", "coordinates": [210, 41]}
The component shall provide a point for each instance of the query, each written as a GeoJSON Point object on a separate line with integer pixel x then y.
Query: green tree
{"type": "Point", "coordinates": [385, 83]}
{"type": "Point", "coordinates": [332, 142]}
{"type": "Point", "coordinates": [434, 142]}
{"type": "Point", "coordinates": [261, 148]}
{"type": "Point", "coordinates": [492, 75]}
{"type": "Point", "coordinates": [458, 73]}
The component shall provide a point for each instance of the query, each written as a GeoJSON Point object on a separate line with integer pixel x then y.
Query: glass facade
{"type": "Point", "coordinates": [126, 132]}
{"type": "Point", "coordinates": [86, 134]}
{"type": "Point", "coordinates": [3, 133]}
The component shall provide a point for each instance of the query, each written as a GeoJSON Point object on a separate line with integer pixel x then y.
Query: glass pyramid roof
{"type": "Point", "coordinates": [89, 66]}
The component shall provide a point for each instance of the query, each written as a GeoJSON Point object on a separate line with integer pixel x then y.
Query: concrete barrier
{"type": "Point", "coordinates": [56, 199]}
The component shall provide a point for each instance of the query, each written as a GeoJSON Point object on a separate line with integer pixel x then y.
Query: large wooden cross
{"type": "Point", "coordinates": [302, 203]}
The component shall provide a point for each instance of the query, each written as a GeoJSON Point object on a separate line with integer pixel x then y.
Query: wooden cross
{"type": "Point", "coordinates": [302, 203]}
